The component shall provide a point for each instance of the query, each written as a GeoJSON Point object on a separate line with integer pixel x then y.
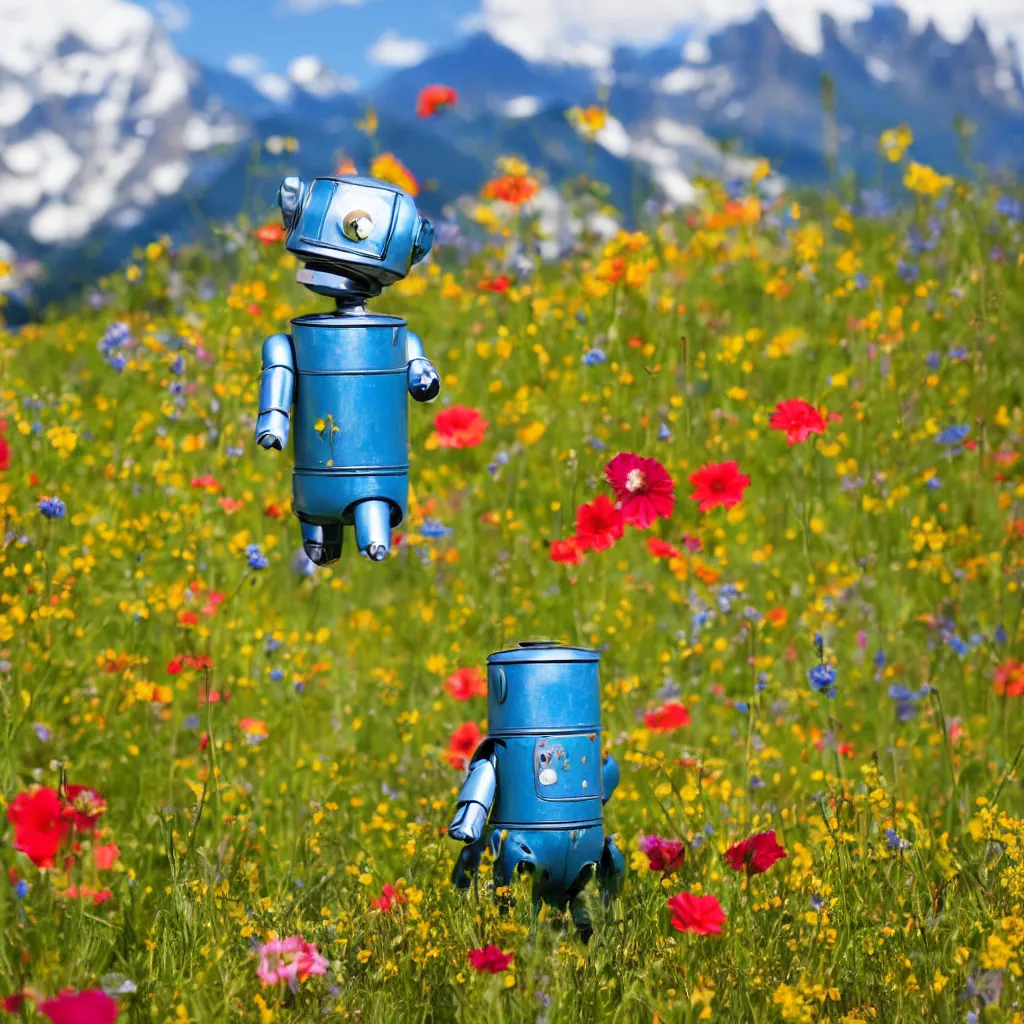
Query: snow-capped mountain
{"type": "Point", "coordinates": [109, 136]}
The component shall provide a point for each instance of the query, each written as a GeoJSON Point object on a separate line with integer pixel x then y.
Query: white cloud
{"type": "Point", "coordinates": [395, 51]}
{"type": "Point", "coordinates": [274, 87]}
{"type": "Point", "coordinates": [585, 31]}
{"type": "Point", "coordinates": [313, 75]}
{"type": "Point", "coordinates": [246, 65]}
{"type": "Point", "coordinates": [176, 17]}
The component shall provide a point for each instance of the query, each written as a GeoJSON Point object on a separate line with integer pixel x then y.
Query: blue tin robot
{"type": "Point", "coordinates": [346, 373]}
{"type": "Point", "coordinates": [541, 777]}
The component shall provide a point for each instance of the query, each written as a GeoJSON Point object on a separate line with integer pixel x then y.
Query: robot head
{"type": "Point", "coordinates": [355, 236]}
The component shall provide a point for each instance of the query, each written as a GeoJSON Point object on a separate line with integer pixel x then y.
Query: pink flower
{"type": "Point", "coordinates": [644, 490]}
{"type": "Point", "coordinates": [490, 959]}
{"type": "Point", "coordinates": [93, 1006]}
{"type": "Point", "coordinates": [663, 854]}
{"type": "Point", "coordinates": [291, 960]}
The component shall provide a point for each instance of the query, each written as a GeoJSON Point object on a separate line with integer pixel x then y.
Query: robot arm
{"type": "Point", "coordinates": [609, 778]}
{"type": "Point", "coordinates": [424, 382]}
{"type": "Point", "coordinates": [277, 383]}
{"type": "Point", "coordinates": [475, 801]}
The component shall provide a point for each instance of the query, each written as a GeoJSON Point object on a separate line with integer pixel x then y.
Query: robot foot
{"type": "Point", "coordinates": [373, 529]}
{"type": "Point", "coordinates": [581, 918]}
{"type": "Point", "coordinates": [322, 544]}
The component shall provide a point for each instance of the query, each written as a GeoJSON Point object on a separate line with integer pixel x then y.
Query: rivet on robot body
{"type": "Point", "coordinates": [537, 784]}
{"type": "Point", "coordinates": [339, 380]}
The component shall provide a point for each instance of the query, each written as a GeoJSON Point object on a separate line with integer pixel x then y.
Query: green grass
{"type": "Point", "coordinates": [223, 847]}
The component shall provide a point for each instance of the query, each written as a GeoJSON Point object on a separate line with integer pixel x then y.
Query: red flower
{"type": "Point", "coordinates": [644, 490]}
{"type": "Point", "coordinates": [755, 854]}
{"type": "Point", "coordinates": [702, 915]}
{"type": "Point", "coordinates": [5, 454]}
{"type": "Point", "coordinates": [105, 856]}
{"type": "Point", "coordinates": [462, 744]}
{"type": "Point", "coordinates": [567, 551]}
{"type": "Point", "coordinates": [93, 1006]}
{"type": "Point", "coordinates": [720, 483]}
{"type": "Point", "coordinates": [174, 665]}
{"type": "Point", "coordinates": [466, 683]}
{"type": "Point", "coordinates": [205, 481]}
{"type": "Point", "coordinates": [270, 233]}
{"type": "Point", "coordinates": [460, 427]}
{"type": "Point", "coordinates": [512, 188]}
{"type": "Point", "coordinates": [498, 285]}
{"type": "Point", "coordinates": [490, 958]}
{"type": "Point", "coordinates": [13, 1004]}
{"type": "Point", "coordinates": [389, 898]}
{"type": "Point", "coordinates": [84, 807]}
{"type": "Point", "coordinates": [798, 419]}
{"type": "Point", "coordinates": [598, 525]}
{"type": "Point", "coordinates": [1009, 679]}
{"type": "Point", "coordinates": [274, 511]}
{"type": "Point", "coordinates": [663, 854]}
{"type": "Point", "coordinates": [39, 826]}
{"type": "Point", "coordinates": [432, 98]}
{"type": "Point", "coordinates": [662, 549]}
{"type": "Point", "coordinates": [672, 715]}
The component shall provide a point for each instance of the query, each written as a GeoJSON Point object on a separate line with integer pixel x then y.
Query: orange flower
{"type": "Point", "coordinates": [460, 427]}
{"type": "Point", "coordinates": [270, 233]}
{"type": "Point", "coordinates": [387, 167]}
{"type": "Point", "coordinates": [433, 97]}
{"type": "Point", "coordinates": [512, 188]}
{"type": "Point", "coordinates": [1009, 679]}
{"type": "Point", "coordinates": [346, 167]}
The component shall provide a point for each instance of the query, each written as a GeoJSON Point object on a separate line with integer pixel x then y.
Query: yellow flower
{"type": "Point", "coordinates": [893, 142]}
{"type": "Point", "coordinates": [589, 120]}
{"type": "Point", "coordinates": [924, 180]}
{"type": "Point", "coordinates": [532, 433]}
{"type": "Point", "coordinates": [368, 126]}
{"type": "Point", "coordinates": [387, 167]}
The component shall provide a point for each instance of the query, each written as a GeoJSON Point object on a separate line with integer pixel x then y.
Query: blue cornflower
{"type": "Point", "coordinates": [664, 434]}
{"type": "Point", "coordinates": [190, 722]}
{"type": "Point", "coordinates": [43, 734]}
{"type": "Point", "coordinates": [1010, 208]}
{"type": "Point", "coordinates": [736, 188]}
{"type": "Point", "coordinates": [957, 644]}
{"type": "Point", "coordinates": [822, 679]}
{"type": "Point", "coordinates": [276, 675]}
{"type": "Point", "coordinates": [934, 483]}
{"type": "Point", "coordinates": [906, 271]}
{"type": "Point", "coordinates": [860, 280]}
{"type": "Point", "coordinates": [52, 508]}
{"type": "Point", "coordinates": [906, 700]}
{"type": "Point", "coordinates": [257, 560]}
{"type": "Point", "coordinates": [749, 612]}
{"type": "Point", "coordinates": [596, 443]}
{"type": "Point", "coordinates": [742, 706]}
{"type": "Point", "coordinates": [117, 362]}
{"type": "Point", "coordinates": [817, 901]}
{"type": "Point", "coordinates": [178, 366]}
{"type": "Point", "coordinates": [958, 353]}
{"type": "Point", "coordinates": [271, 645]}
{"type": "Point", "coordinates": [879, 659]}
{"type": "Point", "coordinates": [894, 842]}
{"type": "Point", "coordinates": [433, 529]}
{"type": "Point", "coordinates": [999, 636]}
{"type": "Point", "coordinates": [756, 782]}
{"type": "Point", "coordinates": [934, 360]}
{"type": "Point", "coordinates": [593, 357]}
{"type": "Point", "coordinates": [116, 335]}
{"type": "Point", "coordinates": [21, 888]}
{"type": "Point", "coordinates": [953, 435]}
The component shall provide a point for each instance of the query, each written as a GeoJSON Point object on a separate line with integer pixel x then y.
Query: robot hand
{"type": "Point", "coordinates": [468, 823]}
{"type": "Point", "coordinates": [424, 381]}
{"type": "Point", "coordinates": [272, 429]}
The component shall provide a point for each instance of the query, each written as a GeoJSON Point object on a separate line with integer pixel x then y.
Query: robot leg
{"type": "Point", "coordinates": [611, 870]}
{"type": "Point", "coordinates": [510, 856]}
{"type": "Point", "coordinates": [468, 863]}
{"type": "Point", "coordinates": [322, 544]}
{"type": "Point", "coordinates": [373, 528]}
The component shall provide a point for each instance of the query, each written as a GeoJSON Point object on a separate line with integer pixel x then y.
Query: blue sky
{"type": "Point", "coordinates": [365, 40]}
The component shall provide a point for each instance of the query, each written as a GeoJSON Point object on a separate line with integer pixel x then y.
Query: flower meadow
{"type": "Point", "coordinates": [764, 455]}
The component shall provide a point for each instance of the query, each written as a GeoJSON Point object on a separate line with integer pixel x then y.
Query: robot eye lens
{"type": "Point", "coordinates": [357, 225]}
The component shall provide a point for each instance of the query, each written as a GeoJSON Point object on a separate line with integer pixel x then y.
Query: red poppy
{"type": "Point", "coordinates": [462, 744]}
{"type": "Point", "coordinates": [13, 1004]}
{"type": "Point", "coordinates": [498, 284]}
{"type": "Point", "coordinates": [720, 483]}
{"type": "Point", "coordinates": [798, 419]}
{"type": "Point", "coordinates": [206, 481]}
{"type": "Point", "coordinates": [490, 958]}
{"type": "Point", "coordinates": [84, 807]}
{"type": "Point", "coordinates": [270, 233]}
{"type": "Point", "coordinates": [274, 511]}
{"type": "Point", "coordinates": [755, 854]}
{"type": "Point", "coordinates": [93, 1006]}
{"type": "Point", "coordinates": [644, 490]}
{"type": "Point", "coordinates": [662, 549]}
{"type": "Point", "coordinates": [702, 915]}
{"type": "Point", "coordinates": [460, 427]}
{"type": "Point", "coordinates": [672, 715]}
{"type": "Point", "coordinates": [512, 188]}
{"type": "Point", "coordinates": [5, 454]}
{"type": "Point", "coordinates": [39, 825]}
{"type": "Point", "coordinates": [433, 98]}
{"type": "Point", "coordinates": [175, 665]}
{"type": "Point", "coordinates": [598, 525]}
{"type": "Point", "coordinates": [663, 854]}
{"type": "Point", "coordinates": [1009, 679]}
{"type": "Point", "coordinates": [466, 683]}
{"type": "Point", "coordinates": [389, 898]}
{"type": "Point", "coordinates": [567, 551]}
